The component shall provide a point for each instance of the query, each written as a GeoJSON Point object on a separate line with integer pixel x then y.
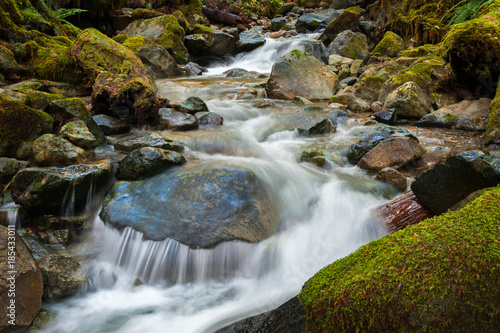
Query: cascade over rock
{"type": "Point", "coordinates": [199, 207]}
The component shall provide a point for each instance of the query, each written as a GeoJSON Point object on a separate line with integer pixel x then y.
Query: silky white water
{"type": "Point", "coordinates": [144, 286]}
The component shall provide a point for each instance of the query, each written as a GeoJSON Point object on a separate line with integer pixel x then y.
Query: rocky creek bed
{"type": "Point", "coordinates": [184, 169]}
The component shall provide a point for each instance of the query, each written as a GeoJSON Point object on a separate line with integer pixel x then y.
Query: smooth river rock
{"type": "Point", "coordinates": [199, 206]}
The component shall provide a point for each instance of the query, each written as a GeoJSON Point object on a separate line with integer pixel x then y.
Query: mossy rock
{"type": "Point", "coordinates": [368, 88]}
{"type": "Point", "coordinates": [96, 53]}
{"type": "Point", "coordinates": [390, 45]}
{"type": "Point", "coordinates": [144, 14]}
{"type": "Point", "coordinates": [438, 275]}
{"type": "Point", "coordinates": [55, 62]}
{"type": "Point", "coordinates": [18, 123]}
{"type": "Point", "coordinates": [348, 20]}
{"type": "Point", "coordinates": [8, 64]}
{"type": "Point", "coordinates": [163, 30]}
{"type": "Point", "coordinates": [421, 51]}
{"type": "Point", "coordinates": [473, 50]}
{"type": "Point", "coordinates": [182, 21]}
{"type": "Point", "coordinates": [493, 127]}
{"type": "Point", "coordinates": [120, 38]}
{"type": "Point", "coordinates": [136, 43]}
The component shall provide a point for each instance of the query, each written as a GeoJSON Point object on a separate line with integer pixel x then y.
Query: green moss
{"type": "Point", "coordinates": [450, 117]}
{"type": "Point", "coordinates": [120, 38]}
{"type": "Point", "coordinates": [373, 81]}
{"type": "Point", "coordinates": [473, 50]}
{"type": "Point", "coordinates": [493, 126]}
{"type": "Point", "coordinates": [19, 122]}
{"type": "Point", "coordinates": [142, 13]}
{"type": "Point", "coordinates": [39, 99]}
{"type": "Point", "coordinates": [96, 52]}
{"type": "Point", "coordinates": [26, 51]}
{"type": "Point", "coordinates": [55, 62]}
{"type": "Point", "coordinates": [440, 275]}
{"type": "Point", "coordinates": [202, 29]}
{"type": "Point", "coordinates": [135, 43]}
{"type": "Point", "coordinates": [390, 45]}
{"type": "Point", "coordinates": [182, 21]}
{"type": "Point", "coordinates": [424, 50]}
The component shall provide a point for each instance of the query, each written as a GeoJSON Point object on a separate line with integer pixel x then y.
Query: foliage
{"type": "Point", "coordinates": [465, 10]}
{"type": "Point", "coordinates": [442, 275]}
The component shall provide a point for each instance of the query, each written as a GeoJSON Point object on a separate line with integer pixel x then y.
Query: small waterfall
{"type": "Point", "coordinates": [262, 59]}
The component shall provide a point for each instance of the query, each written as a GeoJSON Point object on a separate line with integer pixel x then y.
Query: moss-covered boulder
{"type": "Point", "coordinates": [164, 31]}
{"type": "Point", "coordinates": [52, 150]}
{"type": "Point", "coordinates": [54, 61]}
{"type": "Point", "coordinates": [68, 108]}
{"type": "Point", "coordinates": [299, 73]}
{"type": "Point", "coordinates": [350, 45]}
{"type": "Point", "coordinates": [368, 88]}
{"type": "Point", "coordinates": [206, 41]}
{"type": "Point", "coordinates": [473, 50]}
{"type": "Point", "coordinates": [19, 123]}
{"type": "Point", "coordinates": [409, 101]}
{"type": "Point", "coordinates": [144, 14]}
{"type": "Point", "coordinates": [8, 64]}
{"type": "Point", "coordinates": [110, 125]}
{"type": "Point", "coordinates": [348, 20]}
{"type": "Point", "coordinates": [438, 275]}
{"type": "Point", "coordinates": [493, 126]}
{"type": "Point", "coordinates": [78, 134]}
{"type": "Point", "coordinates": [390, 45]}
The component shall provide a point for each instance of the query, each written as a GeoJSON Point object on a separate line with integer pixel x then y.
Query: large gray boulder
{"type": "Point", "coordinates": [176, 120]}
{"type": "Point", "coordinates": [250, 40]}
{"type": "Point", "coordinates": [27, 283]}
{"type": "Point", "coordinates": [200, 207]}
{"type": "Point", "coordinates": [158, 61]}
{"type": "Point", "coordinates": [110, 125]}
{"type": "Point", "coordinates": [299, 73]}
{"type": "Point", "coordinates": [53, 190]}
{"type": "Point", "coordinates": [447, 183]}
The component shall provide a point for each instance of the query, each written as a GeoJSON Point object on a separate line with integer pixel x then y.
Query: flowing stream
{"type": "Point", "coordinates": [138, 285]}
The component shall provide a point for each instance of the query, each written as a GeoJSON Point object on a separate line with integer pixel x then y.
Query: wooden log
{"type": "Point", "coordinates": [219, 16]}
{"type": "Point", "coordinates": [403, 211]}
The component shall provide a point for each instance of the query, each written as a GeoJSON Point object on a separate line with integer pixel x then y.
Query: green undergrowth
{"type": "Point", "coordinates": [441, 275]}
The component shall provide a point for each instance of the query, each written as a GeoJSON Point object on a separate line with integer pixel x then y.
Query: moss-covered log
{"type": "Point", "coordinates": [441, 275]}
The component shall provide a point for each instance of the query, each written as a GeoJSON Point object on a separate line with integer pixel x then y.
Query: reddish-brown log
{"type": "Point", "coordinates": [403, 211]}
{"type": "Point", "coordinates": [219, 16]}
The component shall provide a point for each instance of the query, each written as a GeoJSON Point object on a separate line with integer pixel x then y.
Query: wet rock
{"type": "Point", "coordinates": [315, 21]}
{"type": "Point", "coordinates": [388, 117]}
{"type": "Point", "coordinates": [348, 20]}
{"type": "Point", "coordinates": [392, 152]}
{"type": "Point", "coordinates": [277, 23]}
{"type": "Point", "coordinates": [52, 150]}
{"type": "Point", "coordinates": [164, 31]}
{"type": "Point", "coordinates": [147, 161]}
{"type": "Point", "coordinates": [390, 45]}
{"type": "Point", "coordinates": [70, 108]}
{"type": "Point", "coordinates": [208, 118]}
{"type": "Point", "coordinates": [52, 190]}
{"type": "Point", "coordinates": [250, 40]}
{"type": "Point", "coordinates": [151, 139]}
{"type": "Point", "coordinates": [192, 69]}
{"type": "Point", "coordinates": [277, 34]}
{"type": "Point", "coordinates": [158, 61]}
{"type": "Point", "coordinates": [78, 133]}
{"type": "Point", "coordinates": [301, 100]}
{"type": "Point", "coordinates": [300, 74]}
{"type": "Point", "coordinates": [110, 125]}
{"type": "Point", "coordinates": [306, 125]}
{"type": "Point", "coordinates": [288, 318]}
{"type": "Point", "coordinates": [192, 105]}
{"type": "Point", "coordinates": [315, 156]}
{"type": "Point", "coordinates": [61, 276]}
{"type": "Point", "coordinates": [19, 123]}
{"type": "Point", "coordinates": [205, 41]}
{"type": "Point", "coordinates": [409, 101]}
{"type": "Point", "coordinates": [243, 73]}
{"type": "Point", "coordinates": [394, 177]}
{"type": "Point", "coordinates": [176, 120]}
{"type": "Point", "coordinates": [61, 223]}
{"type": "Point", "coordinates": [466, 115]}
{"type": "Point", "coordinates": [352, 102]}
{"type": "Point", "coordinates": [447, 183]}
{"type": "Point", "coordinates": [35, 245]}
{"type": "Point", "coordinates": [285, 9]}
{"type": "Point", "coordinates": [359, 149]}
{"type": "Point", "coordinates": [9, 167]}
{"type": "Point", "coordinates": [199, 207]}
{"type": "Point", "coordinates": [350, 45]}
{"type": "Point", "coordinates": [28, 283]}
